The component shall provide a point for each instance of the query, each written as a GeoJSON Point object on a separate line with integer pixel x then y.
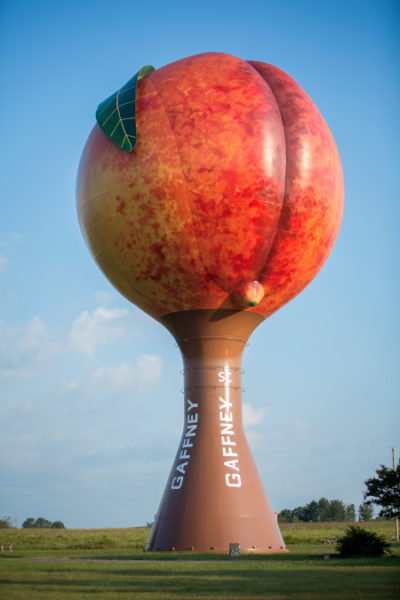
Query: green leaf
{"type": "Point", "coordinates": [117, 114]}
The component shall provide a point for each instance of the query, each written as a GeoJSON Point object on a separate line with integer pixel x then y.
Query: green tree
{"type": "Point", "coordinates": [298, 514]}
{"type": "Point", "coordinates": [324, 508]}
{"type": "Point", "coordinates": [365, 512]}
{"type": "Point", "coordinates": [311, 512]}
{"type": "Point", "coordinates": [6, 523]}
{"type": "Point", "coordinates": [384, 491]}
{"type": "Point", "coordinates": [28, 523]}
{"type": "Point", "coordinates": [350, 512]}
{"type": "Point", "coordinates": [42, 523]}
{"type": "Point", "coordinates": [285, 516]}
{"type": "Point", "coordinates": [337, 511]}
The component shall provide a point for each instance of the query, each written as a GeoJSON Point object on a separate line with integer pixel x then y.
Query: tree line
{"type": "Point", "coordinates": [30, 522]}
{"type": "Point", "coordinates": [42, 523]}
{"type": "Point", "coordinates": [326, 510]}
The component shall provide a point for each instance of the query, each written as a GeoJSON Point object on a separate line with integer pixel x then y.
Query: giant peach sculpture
{"type": "Point", "coordinates": [210, 193]}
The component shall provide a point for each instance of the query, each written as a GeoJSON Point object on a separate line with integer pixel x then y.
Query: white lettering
{"type": "Point", "coordinates": [177, 483]}
{"type": "Point", "coordinates": [184, 454]}
{"type": "Point", "coordinates": [233, 480]}
{"type": "Point", "coordinates": [225, 403]}
{"type": "Point", "coordinates": [225, 376]}
{"type": "Point", "coordinates": [191, 405]}
{"type": "Point", "coordinates": [227, 438]}
{"type": "Point", "coordinates": [191, 430]}
{"type": "Point", "coordinates": [226, 441]}
{"type": "Point", "coordinates": [228, 451]}
{"type": "Point", "coordinates": [187, 442]}
{"type": "Point", "coordinates": [181, 468]}
{"type": "Point", "coordinates": [232, 464]}
{"type": "Point", "coordinates": [225, 417]}
{"type": "Point", "coordinates": [227, 428]}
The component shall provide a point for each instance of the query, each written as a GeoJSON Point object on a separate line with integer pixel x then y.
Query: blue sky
{"type": "Point", "coordinates": [90, 387]}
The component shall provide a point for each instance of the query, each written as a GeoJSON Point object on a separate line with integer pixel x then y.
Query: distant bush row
{"type": "Point", "coordinates": [42, 523]}
{"type": "Point", "coordinates": [326, 510]}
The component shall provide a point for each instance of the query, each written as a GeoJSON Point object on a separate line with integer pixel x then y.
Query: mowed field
{"type": "Point", "coordinates": [110, 564]}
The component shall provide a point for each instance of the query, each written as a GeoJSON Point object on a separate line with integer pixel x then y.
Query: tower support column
{"type": "Point", "coordinates": [214, 495]}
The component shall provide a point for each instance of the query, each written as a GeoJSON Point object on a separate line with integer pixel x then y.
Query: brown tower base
{"type": "Point", "coordinates": [214, 495]}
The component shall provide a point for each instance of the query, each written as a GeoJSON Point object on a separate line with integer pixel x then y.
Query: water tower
{"type": "Point", "coordinates": [210, 193]}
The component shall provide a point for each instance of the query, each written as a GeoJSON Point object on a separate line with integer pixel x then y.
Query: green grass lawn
{"type": "Point", "coordinates": [80, 541]}
{"type": "Point", "coordinates": [110, 564]}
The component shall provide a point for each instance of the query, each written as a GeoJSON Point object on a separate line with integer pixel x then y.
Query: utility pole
{"type": "Point", "coordinates": [397, 518]}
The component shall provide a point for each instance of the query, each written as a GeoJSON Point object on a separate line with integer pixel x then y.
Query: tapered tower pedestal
{"type": "Point", "coordinates": [214, 495]}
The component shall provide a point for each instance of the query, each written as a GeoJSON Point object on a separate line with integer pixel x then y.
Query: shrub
{"type": "Point", "coordinates": [41, 523]}
{"type": "Point", "coordinates": [358, 541]}
{"type": "Point", "coordinates": [6, 523]}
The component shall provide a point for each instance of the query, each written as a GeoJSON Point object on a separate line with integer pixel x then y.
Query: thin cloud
{"type": "Point", "coordinates": [23, 348]}
{"type": "Point", "coordinates": [30, 348]}
{"type": "Point", "coordinates": [145, 371]}
{"type": "Point", "coordinates": [150, 367]}
{"type": "Point", "coordinates": [252, 416]}
{"type": "Point", "coordinates": [104, 298]}
{"type": "Point", "coordinates": [11, 237]}
{"type": "Point", "coordinates": [90, 331]}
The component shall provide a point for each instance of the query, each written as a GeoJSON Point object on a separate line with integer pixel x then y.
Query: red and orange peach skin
{"type": "Point", "coordinates": [232, 197]}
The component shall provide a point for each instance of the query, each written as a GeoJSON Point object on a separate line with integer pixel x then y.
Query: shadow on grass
{"type": "Point", "coordinates": [207, 580]}
{"type": "Point", "coordinates": [155, 556]}
{"type": "Point", "coordinates": [163, 557]}
{"type": "Point", "coordinates": [215, 583]}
